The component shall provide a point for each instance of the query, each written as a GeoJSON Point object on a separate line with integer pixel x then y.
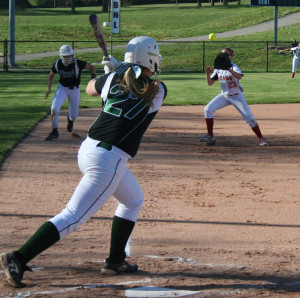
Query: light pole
{"type": "Point", "coordinates": [275, 24]}
{"type": "Point", "coordinates": [12, 32]}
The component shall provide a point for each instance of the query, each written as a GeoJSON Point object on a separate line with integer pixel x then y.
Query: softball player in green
{"type": "Point", "coordinates": [130, 102]}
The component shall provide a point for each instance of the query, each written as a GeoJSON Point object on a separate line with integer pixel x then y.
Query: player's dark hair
{"type": "Point", "coordinates": [294, 43]}
{"type": "Point", "coordinates": [142, 87]}
{"type": "Point", "coordinates": [228, 50]}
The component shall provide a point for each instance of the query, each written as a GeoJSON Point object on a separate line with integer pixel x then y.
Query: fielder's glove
{"type": "Point", "coordinates": [111, 64]}
{"type": "Point", "coordinates": [222, 61]}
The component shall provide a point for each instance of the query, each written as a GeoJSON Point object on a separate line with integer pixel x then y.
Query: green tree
{"type": "Point", "coordinates": [73, 6]}
{"type": "Point", "coordinates": [105, 6]}
{"type": "Point", "coordinates": [125, 3]}
{"type": "Point", "coordinates": [37, 3]}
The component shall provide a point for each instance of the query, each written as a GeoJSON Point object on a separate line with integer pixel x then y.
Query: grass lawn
{"type": "Point", "coordinates": [190, 56]}
{"type": "Point", "coordinates": [164, 21]}
{"type": "Point", "coordinates": [23, 103]}
{"type": "Point", "coordinates": [192, 89]}
{"type": "Point", "coordinates": [41, 30]}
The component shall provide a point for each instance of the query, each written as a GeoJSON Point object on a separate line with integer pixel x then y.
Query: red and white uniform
{"type": "Point", "coordinates": [296, 57]}
{"type": "Point", "coordinates": [232, 94]}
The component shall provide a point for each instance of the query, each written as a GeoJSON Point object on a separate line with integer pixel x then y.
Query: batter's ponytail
{"type": "Point", "coordinates": [142, 87]}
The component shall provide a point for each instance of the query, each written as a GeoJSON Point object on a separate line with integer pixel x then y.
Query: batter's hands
{"type": "Point", "coordinates": [110, 65]}
{"type": "Point", "coordinates": [47, 93]}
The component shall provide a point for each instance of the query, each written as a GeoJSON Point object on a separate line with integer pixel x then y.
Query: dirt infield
{"type": "Point", "coordinates": [218, 221]}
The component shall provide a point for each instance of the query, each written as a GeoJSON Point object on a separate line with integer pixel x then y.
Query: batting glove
{"type": "Point", "coordinates": [111, 64]}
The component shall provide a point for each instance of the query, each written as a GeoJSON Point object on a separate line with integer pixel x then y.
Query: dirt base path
{"type": "Point", "coordinates": [219, 221]}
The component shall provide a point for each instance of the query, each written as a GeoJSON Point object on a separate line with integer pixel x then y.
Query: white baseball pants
{"type": "Point", "coordinates": [60, 96]}
{"type": "Point", "coordinates": [105, 174]}
{"type": "Point", "coordinates": [295, 65]}
{"type": "Point", "coordinates": [238, 101]}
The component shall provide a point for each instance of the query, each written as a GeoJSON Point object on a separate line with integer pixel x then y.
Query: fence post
{"type": "Point", "coordinates": [5, 52]}
{"type": "Point", "coordinates": [203, 56]}
{"type": "Point", "coordinates": [267, 56]}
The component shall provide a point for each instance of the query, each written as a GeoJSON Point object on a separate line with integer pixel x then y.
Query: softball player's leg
{"type": "Point", "coordinates": [130, 197]}
{"type": "Point", "coordinates": [74, 101]}
{"type": "Point", "coordinates": [59, 98]}
{"type": "Point", "coordinates": [102, 172]}
{"type": "Point", "coordinates": [215, 104]}
{"type": "Point", "coordinates": [294, 67]}
{"type": "Point", "coordinates": [241, 105]}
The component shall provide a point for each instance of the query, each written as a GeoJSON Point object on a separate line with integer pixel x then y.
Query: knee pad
{"type": "Point", "coordinates": [66, 223]}
{"type": "Point", "coordinates": [208, 113]}
{"type": "Point", "coordinates": [54, 112]}
{"type": "Point", "coordinates": [131, 210]}
{"type": "Point", "coordinates": [252, 122]}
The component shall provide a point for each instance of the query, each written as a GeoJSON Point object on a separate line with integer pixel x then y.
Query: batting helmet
{"type": "Point", "coordinates": [66, 54]}
{"type": "Point", "coordinates": [144, 51]}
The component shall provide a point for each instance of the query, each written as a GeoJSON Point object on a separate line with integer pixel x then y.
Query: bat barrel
{"type": "Point", "coordinates": [93, 18]}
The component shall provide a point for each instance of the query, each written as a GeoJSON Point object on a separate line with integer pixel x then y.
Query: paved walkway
{"type": "Point", "coordinates": [262, 27]}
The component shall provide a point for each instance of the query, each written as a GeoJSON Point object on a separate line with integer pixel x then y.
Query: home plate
{"type": "Point", "coordinates": [157, 292]}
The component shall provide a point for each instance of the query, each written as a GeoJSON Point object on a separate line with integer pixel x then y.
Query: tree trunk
{"type": "Point", "coordinates": [225, 2]}
{"type": "Point", "coordinates": [212, 2]}
{"type": "Point", "coordinates": [125, 3]}
{"type": "Point", "coordinates": [73, 6]}
{"type": "Point", "coordinates": [105, 6]}
{"type": "Point", "coordinates": [199, 3]}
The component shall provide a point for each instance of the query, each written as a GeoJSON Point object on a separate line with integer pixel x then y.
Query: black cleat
{"type": "Point", "coordinates": [13, 269]}
{"type": "Point", "coordinates": [53, 135]}
{"type": "Point", "coordinates": [70, 125]}
{"type": "Point", "coordinates": [111, 269]}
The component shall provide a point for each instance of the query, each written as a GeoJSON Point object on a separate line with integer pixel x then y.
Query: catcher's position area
{"type": "Point", "coordinates": [218, 221]}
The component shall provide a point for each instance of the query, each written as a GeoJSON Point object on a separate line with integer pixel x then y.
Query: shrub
{"type": "Point", "coordinates": [37, 3]}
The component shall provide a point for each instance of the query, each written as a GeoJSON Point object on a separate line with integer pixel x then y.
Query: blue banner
{"type": "Point", "coordinates": [295, 3]}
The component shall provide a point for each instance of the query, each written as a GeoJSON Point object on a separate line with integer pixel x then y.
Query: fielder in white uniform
{"type": "Point", "coordinates": [296, 57]}
{"type": "Point", "coordinates": [69, 70]}
{"type": "Point", "coordinates": [232, 94]}
{"type": "Point", "coordinates": [131, 99]}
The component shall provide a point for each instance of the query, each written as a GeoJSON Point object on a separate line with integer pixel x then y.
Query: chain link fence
{"type": "Point", "coordinates": [180, 56]}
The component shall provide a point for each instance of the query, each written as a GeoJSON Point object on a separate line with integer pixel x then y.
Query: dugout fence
{"type": "Point", "coordinates": [179, 56]}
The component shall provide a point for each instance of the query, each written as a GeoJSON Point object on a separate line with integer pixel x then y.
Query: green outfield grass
{"type": "Point", "coordinates": [23, 103]}
{"type": "Point", "coordinates": [249, 56]}
{"type": "Point", "coordinates": [38, 29]}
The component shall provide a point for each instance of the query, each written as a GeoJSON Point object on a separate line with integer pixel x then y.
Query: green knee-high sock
{"type": "Point", "coordinates": [42, 239]}
{"type": "Point", "coordinates": [120, 232]}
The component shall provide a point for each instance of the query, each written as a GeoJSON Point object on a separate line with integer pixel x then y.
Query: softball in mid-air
{"type": "Point", "coordinates": [212, 36]}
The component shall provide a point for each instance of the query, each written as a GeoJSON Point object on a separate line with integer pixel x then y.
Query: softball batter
{"type": "Point", "coordinates": [130, 102]}
{"type": "Point", "coordinates": [69, 70]}
{"type": "Point", "coordinates": [296, 56]}
{"type": "Point", "coordinates": [232, 94]}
